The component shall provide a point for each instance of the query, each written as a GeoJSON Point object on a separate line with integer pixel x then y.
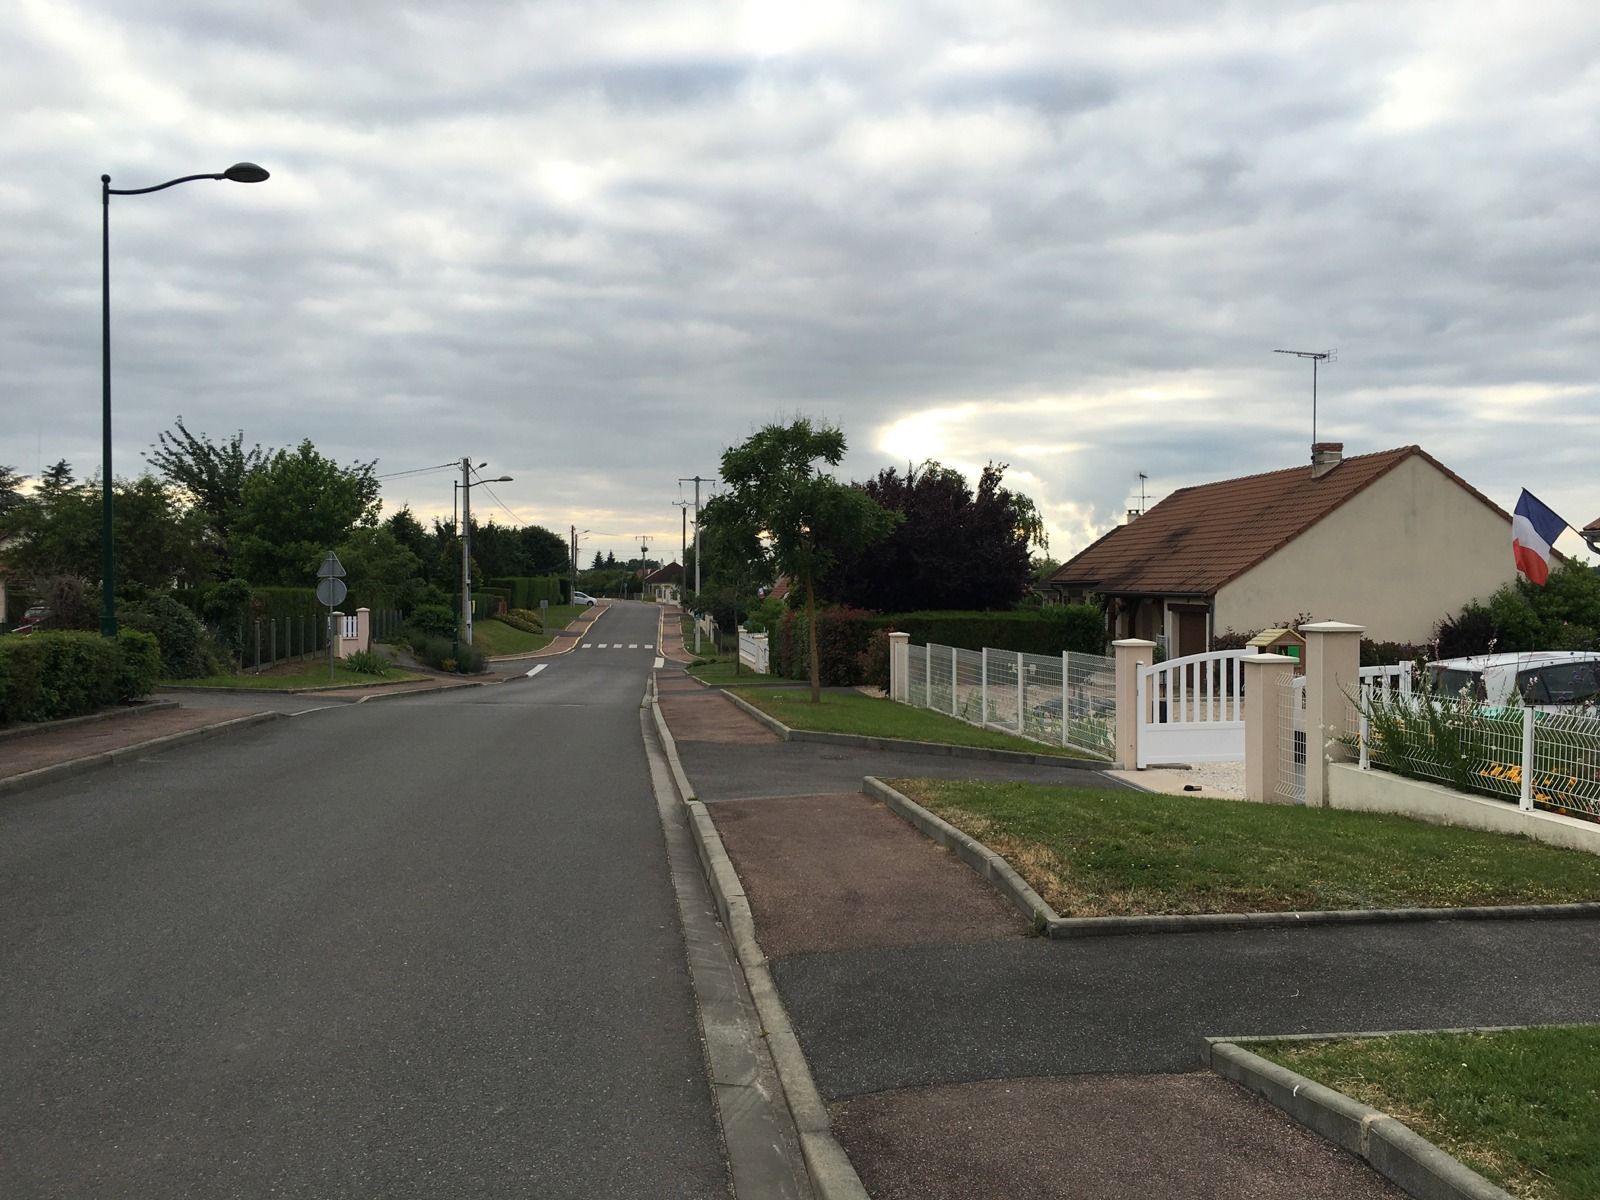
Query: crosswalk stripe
{"type": "Point", "coordinates": [588, 645]}
{"type": "Point", "coordinates": [649, 645]}
{"type": "Point", "coordinates": [633, 645]}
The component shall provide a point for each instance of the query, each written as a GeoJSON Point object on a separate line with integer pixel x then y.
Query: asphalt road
{"type": "Point", "coordinates": [420, 948]}
{"type": "Point", "coordinates": [871, 1020]}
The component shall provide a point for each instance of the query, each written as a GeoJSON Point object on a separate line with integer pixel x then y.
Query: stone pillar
{"type": "Point", "coordinates": [1333, 672]}
{"type": "Point", "coordinates": [1267, 743]}
{"type": "Point", "coordinates": [363, 629]}
{"type": "Point", "coordinates": [1131, 653]}
{"type": "Point", "coordinates": [899, 666]}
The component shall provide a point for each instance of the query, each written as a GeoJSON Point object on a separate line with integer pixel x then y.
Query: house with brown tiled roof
{"type": "Point", "coordinates": [664, 584]}
{"type": "Point", "coordinates": [1393, 541]}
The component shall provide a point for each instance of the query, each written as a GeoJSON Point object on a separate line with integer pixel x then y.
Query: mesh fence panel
{"type": "Point", "coordinates": [1566, 763]}
{"type": "Point", "coordinates": [1290, 784]}
{"type": "Point", "coordinates": [1061, 701]}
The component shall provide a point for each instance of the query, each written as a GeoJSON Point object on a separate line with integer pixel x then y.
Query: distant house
{"type": "Point", "coordinates": [1393, 541]}
{"type": "Point", "coordinates": [664, 584]}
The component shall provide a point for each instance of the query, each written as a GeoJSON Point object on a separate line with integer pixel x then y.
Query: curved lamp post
{"type": "Point", "coordinates": [243, 172]}
{"type": "Point", "coordinates": [466, 542]}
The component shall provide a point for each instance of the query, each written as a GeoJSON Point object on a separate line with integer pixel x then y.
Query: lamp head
{"type": "Point", "coordinates": [246, 172]}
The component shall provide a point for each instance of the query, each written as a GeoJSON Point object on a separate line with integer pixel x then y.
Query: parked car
{"type": "Point", "coordinates": [582, 598]}
{"type": "Point", "coordinates": [36, 617]}
{"type": "Point", "coordinates": [1548, 679]}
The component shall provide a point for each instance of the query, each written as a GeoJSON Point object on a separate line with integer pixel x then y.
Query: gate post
{"type": "Point", "coordinates": [899, 667]}
{"type": "Point", "coordinates": [1264, 734]}
{"type": "Point", "coordinates": [1131, 654]}
{"type": "Point", "coordinates": [1333, 664]}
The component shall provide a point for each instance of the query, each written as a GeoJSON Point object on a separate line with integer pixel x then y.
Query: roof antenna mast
{"type": "Point", "coordinates": [1317, 357]}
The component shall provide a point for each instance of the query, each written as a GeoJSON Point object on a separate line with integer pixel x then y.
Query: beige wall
{"type": "Point", "coordinates": [1410, 549]}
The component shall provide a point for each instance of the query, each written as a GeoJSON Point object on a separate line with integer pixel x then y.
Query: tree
{"type": "Point", "coordinates": [781, 514]}
{"type": "Point", "coordinates": [295, 508]}
{"type": "Point", "coordinates": [12, 501]}
{"type": "Point", "coordinates": [955, 548]}
{"type": "Point", "coordinates": [56, 480]}
{"type": "Point", "coordinates": [380, 571]}
{"type": "Point", "coordinates": [212, 475]}
{"type": "Point", "coordinates": [599, 563]}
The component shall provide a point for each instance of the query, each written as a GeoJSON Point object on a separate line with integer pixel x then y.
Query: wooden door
{"type": "Point", "coordinates": [1191, 633]}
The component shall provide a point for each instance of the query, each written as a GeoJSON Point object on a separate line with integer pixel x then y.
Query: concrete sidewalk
{"type": "Point", "coordinates": [961, 1057]}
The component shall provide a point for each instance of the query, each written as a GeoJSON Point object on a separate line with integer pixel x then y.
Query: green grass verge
{"type": "Point", "coordinates": [1111, 852]}
{"type": "Point", "coordinates": [496, 637]}
{"type": "Point", "coordinates": [854, 712]}
{"type": "Point", "coordinates": [1520, 1107]}
{"type": "Point", "coordinates": [559, 616]}
{"type": "Point", "coordinates": [310, 677]}
{"type": "Point", "coordinates": [721, 670]}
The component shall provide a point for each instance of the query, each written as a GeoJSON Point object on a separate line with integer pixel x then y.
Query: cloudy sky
{"type": "Point", "coordinates": [595, 244]}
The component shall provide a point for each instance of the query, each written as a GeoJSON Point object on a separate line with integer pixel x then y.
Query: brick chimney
{"type": "Point", "coordinates": [1325, 456]}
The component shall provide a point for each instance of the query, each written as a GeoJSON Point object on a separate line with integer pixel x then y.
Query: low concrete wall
{"type": "Point", "coordinates": [1383, 791]}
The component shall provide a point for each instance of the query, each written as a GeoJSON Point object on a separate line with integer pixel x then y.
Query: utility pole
{"type": "Point", "coordinates": [1316, 357]}
{"type": "Point", "coordinates": [572, 586]}
{"type": "Point", "coordinates": [466, 551]}
{"type": "Point", "coordinates": [683, 541]}
{"type": "Point", "coordinates": [698, 548]}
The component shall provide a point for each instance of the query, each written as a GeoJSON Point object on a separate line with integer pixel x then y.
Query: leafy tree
{"type": "Point", "coordinates": [955, 548]}
{"type": "Point", "coordinates": [1564, 614]}
{"type": "Point", "coordinates": [295, 508]}
{"type": "Point", "coordinates": [408, 532]}
{"type": "Point", "coordinates": [781, 514]}
{"type": "Point", "coordinates": [12, 501]}
{"type": "Point", "coordinates": [212, 475]}
{"type": "Point", "coordinates": [380, 572]}
{"type": "Point", "coordinates": [58, 533]}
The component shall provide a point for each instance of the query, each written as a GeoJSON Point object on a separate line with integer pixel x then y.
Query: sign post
{"type": "Point", "coordinates": [331, 591]}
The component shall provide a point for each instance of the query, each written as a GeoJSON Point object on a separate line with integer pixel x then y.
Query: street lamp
{"type": "Point", "coordinates": [243, 172]}
{"type": "Point", "coordinates": [465, 487]}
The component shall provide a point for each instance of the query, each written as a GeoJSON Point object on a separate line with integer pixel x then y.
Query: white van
{"type": "Point", "coordinates": [1552, 679]}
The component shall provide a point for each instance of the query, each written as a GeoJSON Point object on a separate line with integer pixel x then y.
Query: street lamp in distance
{"type": "Point", "coordinates": [240, 172]}
{"type": "Point", "coordinates": [466, 541]}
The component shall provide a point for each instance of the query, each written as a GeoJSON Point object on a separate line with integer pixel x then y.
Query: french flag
{"type": "Point", "coordinates": [1534, 529]}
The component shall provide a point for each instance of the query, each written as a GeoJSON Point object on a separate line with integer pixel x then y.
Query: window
{"type": "Point", "coordinates": [1449, 681]}
{"type": "Point", "coordinates": [1562, 683]}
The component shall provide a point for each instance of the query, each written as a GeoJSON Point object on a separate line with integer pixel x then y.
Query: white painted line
{"type": "Point", "coordinates": [537, 669]}
{"type": "Point", "coordinates": [660, 662]}
{"type": "Point", "coordinates": [600, 646]}
{"type": "Point", "coordinates": [586, 645]}
{"type": "Point", "coordinates": [633, 645]}
{"type": "Point", "coordinates": [649, 645]}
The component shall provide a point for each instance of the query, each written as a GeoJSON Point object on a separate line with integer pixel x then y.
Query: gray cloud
{"type": "Point", "coordinates": [596, 244]}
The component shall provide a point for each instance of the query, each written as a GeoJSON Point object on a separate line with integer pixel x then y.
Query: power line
{"type": "Point", "coordinates": [515, 519]}
{"type": "Point", "coordinates": [449, 466]}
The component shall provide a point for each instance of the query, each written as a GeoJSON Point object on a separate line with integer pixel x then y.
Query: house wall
{"type": "Point", "coordinates": [1409, 549]}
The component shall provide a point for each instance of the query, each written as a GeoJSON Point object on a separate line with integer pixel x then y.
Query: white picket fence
{"type": "Point", "coordinates": [754, 651]}
{"type": "Point", "coordinates": [1067, 701]}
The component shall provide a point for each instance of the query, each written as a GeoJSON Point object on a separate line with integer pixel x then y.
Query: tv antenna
{"type": "Point", "coordinates": [1317, 357]}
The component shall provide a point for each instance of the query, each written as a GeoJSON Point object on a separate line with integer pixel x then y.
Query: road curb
{"type": "Point", "coordinates": [34, 728]}
{"type": "Point", "coordinates": [1047, 921]}
{"type": "Point", "coordinates": [937, 749]}
{"type": "Point", "coordinates": [832, 1176]}
{"type": "Point", "coordinates": [1387, 1145]}
{"type": "Point", "coordinates": [108, 758]}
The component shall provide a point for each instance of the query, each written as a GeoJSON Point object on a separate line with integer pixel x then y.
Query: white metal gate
{"type": "Point", "coordinates": [1191, 709]}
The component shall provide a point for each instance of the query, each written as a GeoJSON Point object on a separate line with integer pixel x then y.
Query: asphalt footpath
{"type": "Point", "coordinates": [960, 1056]}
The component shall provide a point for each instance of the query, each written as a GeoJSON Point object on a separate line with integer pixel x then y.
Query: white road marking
{"type": "Point", "coordinates": [537, 669]}
{"type": "Point", "coordinates": [660, 662]}
{"type": "Point", "coordinates": [586, 645]}
{"type": "Point", "coordinates": [633, 645]}
{"type": "Point", "coordinates": [649, 645]}
{"type": "Point", "coordinates": [601, 646]}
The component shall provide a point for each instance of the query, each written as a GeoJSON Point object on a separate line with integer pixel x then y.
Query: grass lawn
{"type": "Point", "coordinates": [853, 712]}
{"type": "Point", "coordinates": [304, 675]}
{"type": "Point", "coordinates": [1520, 1107]}
{"type": "Point", "coordinates": [1110, 852]}
{"type": "Point", "coordinates": [559, 616]}
{"type": "Point", "coordinates": [496, 637]}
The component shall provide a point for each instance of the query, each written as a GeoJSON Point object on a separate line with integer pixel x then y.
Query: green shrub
{"type": "Point", "coordinates": [48, 675]}
{"type": "Point", "coordinates": [842, 638]}
{"type": "Point", "coordinates": [140, 665]}
{"type": "Point", "coordinates": [435, 620]}
{"type": "Point", "coordinates": [444, 655]}
{"type": "Point", "coordinates": [365, 662]}
{"type": "Point", "coordinates": [521, 618]}
{"type": "Point", "coordinates": [875, 660]}
{"type": "Point", "coordinates": [185, 648]}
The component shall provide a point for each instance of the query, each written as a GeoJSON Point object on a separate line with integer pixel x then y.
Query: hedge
{"type": "Point", "coordinates": [1079, 628]}
{"type": "Point", "coordinates": [525, 591]}
{"type": "Point", "coordinates": [45, 676]}
{"type": "Point", "coordinates": [845, 637]}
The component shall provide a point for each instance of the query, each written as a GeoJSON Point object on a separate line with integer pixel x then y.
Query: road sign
{"type": "Point", "coordinates": [332, 591]}
{"type": "Point", "coordinates": [331, 568]}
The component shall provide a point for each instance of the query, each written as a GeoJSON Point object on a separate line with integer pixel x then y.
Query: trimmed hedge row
{"type": "Point", "coordinates": [525, 591]}
{"type": "Point", "coordinates": [45, 676]}
{"type": "Point", "coordinates": [848, 654]}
